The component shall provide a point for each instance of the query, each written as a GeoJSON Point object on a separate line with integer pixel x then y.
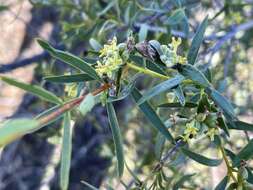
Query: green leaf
{"type": "Point", "coordinates": [123, 92]}
{"type": "Point", "coordinates": [240, 125]}
{"type": "Point", "coordinates": [196, 42]}
{"type": "Point", "coordinates": [178, 105]}
{"type": "Point", "coordinates": [153, 66]}
{"type": "Point", "coordinates": [151, 115]}
{"type": "Point", "coordinates": [87, 104]}
{"type": "Point", "coordinates": [69, 78]}
{"type": "Point", "coordinates": [66, 152]}
{"type": "Point", "coordinates": [95, 44]}
{"type": "Point", "coordinates": [4, 7]}
{"type": "Point", "coordinates": [91, 187]}
{"type": "Point", "coordinates": [250, 175]}
{"type": "Point", "coordinates": [11, 130]}
{"type": "Point", "coordinates": [245, 154]}
{"type": "Point", "coordinates": [143, 32]}
{"type": "Point", "coordinates": [201, 159]}
{"type": "Point", "coordinates": [179, 94]}
{"type": "Point", "coordinates": [222, 102]}
{"type": "Point", "coordinates": [176, 17]}
{"type": "Point", "coordinates": [193, 74]}
{"type": "Point", "coordinates": [70, 59]}
{"type": "Point", "coordinates": [35, 90]}
{"type": "Point", "coordinates": [159, 144]}
{"type": "Point", "coordinates": [116, 137]}
{"type": "Point", "coordinates": [223, 183]}
{"type": "Point", "coordinates": [222, 124]}
{"type": "Point", "coordinates": [181, 181]}
{"type": "Point", "coordinates": [162, 87]}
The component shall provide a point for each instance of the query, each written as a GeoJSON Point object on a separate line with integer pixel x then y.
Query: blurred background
{"type": "Point", "coordinates": [33, 161]}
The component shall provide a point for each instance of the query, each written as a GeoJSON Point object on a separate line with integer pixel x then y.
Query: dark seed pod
{"type": "Point", "coordinates": [146, 50]}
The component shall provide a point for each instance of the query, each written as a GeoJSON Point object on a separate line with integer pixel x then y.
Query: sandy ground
{"type": "Point", "coordinates": [12, 31]}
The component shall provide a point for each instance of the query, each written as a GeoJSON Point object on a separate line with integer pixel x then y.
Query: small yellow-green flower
{"type": "Point", "coordinates": [190, 131]}
{"type": "Point", "coordinates": [71, 90]}
{"type": "Point", "coordinates": [212, 132]}
{"type": "Point", "coordinates": [111, 59]}
{"type": "Point", "coordinates": [169, 53]}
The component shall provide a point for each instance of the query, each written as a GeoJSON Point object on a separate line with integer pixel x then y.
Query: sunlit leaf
{"type": "Point", "coordinates": [35, 90]}
{"type": "Point", "coordinates": [178, 105]}
{"type": "Point", "coordinates": [179, 94]}
{"type": "Point", "coordinates": [162, 87]}
{"type": "Point", "coordinates": [240, 125]}
{"type": "Point", "coordinates": [70, 59]}
{"type": "Point", "coordinates": [118, 143]}
{"type": "Point", "coordinates": [197, 41]}
{"type": "Point", "coordinates": [194, 74]}
{"type": "Point", "coordinates": [95, 44]}
{"type": "Point", "coordinates": [69, 78]}
{"type": "Point", "coordinates": [87, 104]}
{"type": "Point", "coordinates": [176, 17]}
{"type": "Point", "coordinates": [66, 152]}
{"type": "Point", "coordinates": [201, 159]}
{"type": "Point", "coordinates": [143, 32]}
{"type": "Point", "coordinates": [12, 130]}
{"type": "Point", "coordinates": [222, 102]}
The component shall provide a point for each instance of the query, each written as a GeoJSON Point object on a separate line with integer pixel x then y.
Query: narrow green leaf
{"type": "Point", "coordinates": [116, 137]}
{"type": "Point", "coordinates": [178, 105]}
{"type": "Point", "coordinates": [69, 78]}
{"type": "Point", "coordinates": [151, 115]}
{"type": "Point", "coordinates": [222, 102]}
{"type": "Point", "coordinates": [143, 32]}
{"type": "Point", "coordinates": [123, 93]}
{"type": "Point", "coordinates": [4, 7]}
{"type": "Point", "coordinates": [87, 104]}
{"type": "Point", "coordinates": [223, 184]}
{"type": "Point", "coordinates": [196, 42]}
{"type": "Point", "coordinates": [66, 152]}
{"type": "Point", "coordinates": [11, 130]}
{"type": "Point", "coordinates": [179, 94]}
{"type": "Point", "coordinates": [194, 74]}
{"type": "Point", "coordinates": [222, 124]}
{"type": "Point", "coordinates": [162, 87]}
{"type": "Point", "coordinates": [153, 66]}
{"type": "Point", "coordinates": [181, 181]}
{"type": "Point", "coordinates": [35, 90]}
{"type": "Point", "coordinates": [240, 125]}
{"type": "Point", "coordinates": [159, 144]}
{"type": "Point", "coordinates": [247, 152]}
{"type": "Point", "coordinates": [201, 159]}
{"type": "Point", "coordinates": [91, 187]}
{"type": "Point", "coordinates": [176, 17]}
{"type": "Point", "coordinates": [250, 175]}
{"type": "Point", "coordinates": [70, 59]}
{"type": "Point", "coordinates": [95, 44]}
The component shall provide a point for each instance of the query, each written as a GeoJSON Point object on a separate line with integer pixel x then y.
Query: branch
{"type": "Point", "coordinates": [24, 62]}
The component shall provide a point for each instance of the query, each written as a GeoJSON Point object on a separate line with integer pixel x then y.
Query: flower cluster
{"type": "Point", "coordinates": [111, 59]}
{"type": "Point", "coordinates": [169, 53]}
{"type": "Point", "coordinates": [190, 131]}
{"type": "Point", "coordinates": [212, 132]}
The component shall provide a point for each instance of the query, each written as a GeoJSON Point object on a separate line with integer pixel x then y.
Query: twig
{"type": "Point", "coordinates": [231, 34]}
{"type": "Point", "coordinates": [11, 66]}
{"type": "Point", "coordinates": [68, 106]}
